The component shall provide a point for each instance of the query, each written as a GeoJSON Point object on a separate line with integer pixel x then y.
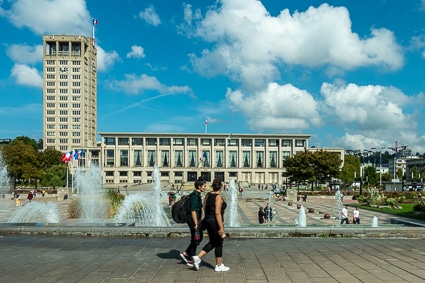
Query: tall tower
{"type": "Point", "coordinates": [69, 92]}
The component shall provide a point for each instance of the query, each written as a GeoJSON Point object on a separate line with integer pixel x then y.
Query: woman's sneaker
{"type": "Point", "coordinates": [221, 268]}
{"type": "Point", "coordinates": [186, 258]}
{"type": "Point", "coordinates": [196, 262]}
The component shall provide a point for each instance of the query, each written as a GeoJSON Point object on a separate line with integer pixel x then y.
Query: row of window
{"type": "Point", "coordinates": [63, 62]}
{"type": "Point", "coordinates": [63, 90]}
{"type": "Point", "coordinates": [63, 126]}
{"type": "Point", "coordinates": [65, 69]}
{"type": "Point", "coordinates": [64, 112]}
{"type": "Point", "coordinates": [64, 141]}
{"type": "Point", "coordinates": [63, 77]}
{"type": "Point", "coordinates": [63, 105]}
{"type": "Point", "coordinates": [63, 98]}
{"type": "Point", "coordinates": [63, 134]}
{"type": "Point", "coordinates": [246, 160]}
{"type": "Point", "coordinates": [74, 84]}
{"type": "Point", "coordinates": [203, 141]}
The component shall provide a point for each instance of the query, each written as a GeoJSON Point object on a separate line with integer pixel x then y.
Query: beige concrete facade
{"type": "Point", "coordinates": [69, 92]}
{"type": "Point", "coordinates": [129, 158]}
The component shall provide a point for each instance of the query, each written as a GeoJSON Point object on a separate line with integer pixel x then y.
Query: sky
{"type": "Point", "coordinates": [348, 73]}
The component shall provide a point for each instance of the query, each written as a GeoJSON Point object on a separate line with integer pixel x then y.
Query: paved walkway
{"type": "Point", "coordinates": [79, 259]}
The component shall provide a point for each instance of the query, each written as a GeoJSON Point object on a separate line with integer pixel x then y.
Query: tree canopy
{"type": "Point", "coordinates": [313, 166]}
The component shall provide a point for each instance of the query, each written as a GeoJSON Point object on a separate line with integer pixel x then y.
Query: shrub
{"type": "Point", "coordinates": [420, 207]}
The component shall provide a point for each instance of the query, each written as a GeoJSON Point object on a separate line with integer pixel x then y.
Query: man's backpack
{"type": "Point", "coordinates": [179, 210]}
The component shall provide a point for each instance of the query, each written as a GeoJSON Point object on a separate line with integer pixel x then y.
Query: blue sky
{"type": "Point", "coordinates": [350, 73]}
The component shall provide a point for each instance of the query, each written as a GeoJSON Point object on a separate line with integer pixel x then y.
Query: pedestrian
{"type": "Point", "coordinates": [30, 196]}
{"type": "Point", "coordinates": [194, 207]}
{"type": "Point", "coordinates": [214, 218]}
{"type": "Point", "coordinates": [344, 215]}
{"type": "Point", "coordinates": [356, 216]}
{"type": "Point", "coordinates": [261, 215]}
{"type": "Point", "coordinates": [268, 213]}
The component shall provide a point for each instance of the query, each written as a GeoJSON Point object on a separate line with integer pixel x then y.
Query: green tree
{"type": "Point", "coordinates": [387, 176]}
{"type": "Point", "coordinates": [50, 157]}
{"type": "Point", "coordinates": [22, 160]}
{"type": "Point", "coordinates": [55, 176]}
{"type": "Point", "coordinates": [371, 175]}
{"type": "Point", "coordinates": [312, 166]}
{"type": "Point", "coordinates": [351, 169]}
{"type": "Point", "coordinates": [298, 167]}
{"type": "Point", "coordinates": [28, 141]}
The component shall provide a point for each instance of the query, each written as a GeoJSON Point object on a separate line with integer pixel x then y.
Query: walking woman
{"type": "Point", "coordinates": [194, 207]}
{"type": "Point", "coordinates": [214, 213]}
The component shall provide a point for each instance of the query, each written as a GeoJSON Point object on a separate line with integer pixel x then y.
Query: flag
{"type": "Point", "coordinates": [95, 21]}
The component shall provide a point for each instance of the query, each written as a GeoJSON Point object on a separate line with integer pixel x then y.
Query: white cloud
{"type": "Point", "coordinates": [136, 52]}
{"type": "Point", "coordinates": [278, 108]}
{"type": "Point", "coordinates": [150, 16]}
{"type": "Point", "coordinates": [134, 84]}
{"type": "Point", "coordinates": [32, 15]}
{"type": "Point", "coordinates": [250, 43]}
{"type": "Point", "coordinates": [369, 108]}
{"type": "Point", "coordinates": [25, 75]}
{"type": "Point", "coordinates": [106, 59]}
{"type": "Point", "coordinates": [25, 54]}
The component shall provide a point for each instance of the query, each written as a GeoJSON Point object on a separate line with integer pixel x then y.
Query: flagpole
{"type": "Point", "coordinates": [66, 175]}
{"type": "Point", "coordinates": [206, 126]}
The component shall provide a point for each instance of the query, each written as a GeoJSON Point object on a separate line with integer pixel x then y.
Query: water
{"type": "Point", "coordinates": [4, 179]}
{"type": "Point", "coordinates": [36, 212]}
{"type": "Point", "coordinates": [301, 221]}
{"type": "Point", "coordinates": [273, 213]}
{"type": "Point", "coordinates": [145, 208]}
{"type": "Point", "coordinates": [92, 197]}
{"type": "Point", "coordinates": [374, 223]}
{"type": "Point", "coordinates": [233, 205]}
{"type": "Point", "coordinates": [338, 205]}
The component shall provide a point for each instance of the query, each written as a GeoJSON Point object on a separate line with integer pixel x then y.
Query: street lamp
{"type": "Point", "coordinates": [380, 164]}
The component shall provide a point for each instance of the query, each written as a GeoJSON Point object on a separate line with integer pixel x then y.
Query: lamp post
{"type": "Point", "coordinates": [380, 164]}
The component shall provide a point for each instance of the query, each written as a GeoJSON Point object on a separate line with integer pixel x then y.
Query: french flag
{"type": "Point", "coordinates": [95, 22]}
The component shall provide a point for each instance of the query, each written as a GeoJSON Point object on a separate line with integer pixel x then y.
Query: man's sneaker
{"type": "Point", "coordinates": [185, 257]}
{"type": "Point", "coordinates": [221, 268]}
{"type": "Point", "coordinates": [196, 262]}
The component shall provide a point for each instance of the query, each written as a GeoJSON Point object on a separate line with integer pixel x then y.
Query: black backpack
{"type": "Point", "coordinates": [179, 210]}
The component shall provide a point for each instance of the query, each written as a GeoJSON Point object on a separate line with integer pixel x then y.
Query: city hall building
{"type": "Point", "coordinates": [130, 158]}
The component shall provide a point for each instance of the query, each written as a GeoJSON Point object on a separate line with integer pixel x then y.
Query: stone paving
{"type": "Point", "coordinates": [105, 259]}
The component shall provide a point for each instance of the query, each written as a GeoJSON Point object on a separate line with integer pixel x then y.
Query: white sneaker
{"type": "Point", "coordinates": [196, 262]}
{"type": "Point", "coordinates": [221, 268]}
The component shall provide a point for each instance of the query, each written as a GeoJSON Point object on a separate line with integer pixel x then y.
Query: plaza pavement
{"type": "Point", "coordinates": [115, 259]}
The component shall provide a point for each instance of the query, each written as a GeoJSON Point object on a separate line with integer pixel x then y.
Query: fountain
{"type": "Point", "coordinates": [4, 179]}
{"type": "Point", "coordinates": [301, 221]}
{"type": "Point", "coordinates": [233, 205]}
{"type": "Point", "coordinates": [374, 223]}
{"type": "Point", "coordinates": [338, 205]}
{"type": "Point", "coordinates": [273, 212]}
{"type": "Point", "coordinates": [145, 209]}
{"type": "Point", "coordinates": [36, 212]}
{"type": "Point", "coordinates": [93, 202]}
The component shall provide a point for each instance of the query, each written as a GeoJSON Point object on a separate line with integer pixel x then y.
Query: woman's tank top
{"type": "Point", "coordinates": [210, 206]}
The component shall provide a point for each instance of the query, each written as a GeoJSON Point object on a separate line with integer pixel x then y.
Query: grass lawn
{"type": "Point", "coordinates": [405, 211]}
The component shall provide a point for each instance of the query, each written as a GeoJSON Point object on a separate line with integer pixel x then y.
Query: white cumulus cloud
{"type": "Point", "coordinates": [136, 52]}
{"type": "Point", "coordinates": [277, 108]}
{"type": "Point", "coordinates": [25, 54]}
{"type": "Point", "coordinates": [106, 59]}
{"type": "Point", "coordinates": [150, 16]}
{"type": "Point", "coordinates": [25, 75]}
{"type": "Point", "coordinates": [250, 44]}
